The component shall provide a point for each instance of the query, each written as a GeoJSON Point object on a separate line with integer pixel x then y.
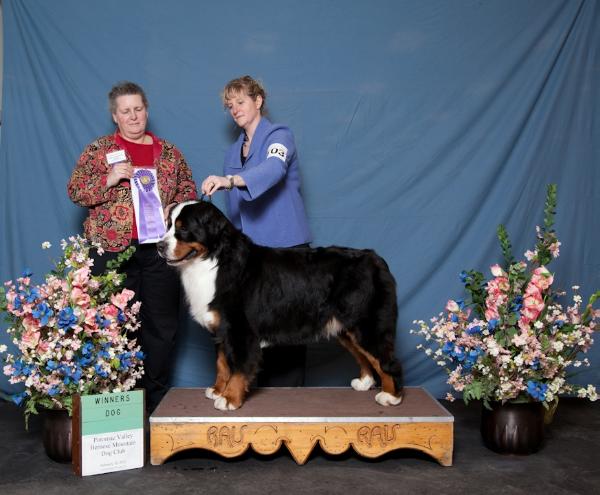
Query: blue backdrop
{"type": "Point", "coordinates": [421, 125]}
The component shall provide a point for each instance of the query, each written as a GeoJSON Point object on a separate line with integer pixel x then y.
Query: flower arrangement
{"type": "Point", "coordinates": [71, 332]}
{"type": "Point", "coordinates": [513, 340]}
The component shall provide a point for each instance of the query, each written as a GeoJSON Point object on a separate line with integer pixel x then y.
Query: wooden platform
{"type": "Point", "coordinates": [336, 418]}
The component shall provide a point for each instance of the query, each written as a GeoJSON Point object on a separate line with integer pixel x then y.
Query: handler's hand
{"type": "Point", "coordinates": [213, 183]}
{"type": "Point", "coordinates": [118, 172]}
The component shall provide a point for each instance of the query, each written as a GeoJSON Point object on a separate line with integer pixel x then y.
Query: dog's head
{"type": "Point", "coordinates": [194, 230]}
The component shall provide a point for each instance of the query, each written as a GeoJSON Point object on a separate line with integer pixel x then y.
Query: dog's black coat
{"type": "Point", "coordinates": [289, 295]}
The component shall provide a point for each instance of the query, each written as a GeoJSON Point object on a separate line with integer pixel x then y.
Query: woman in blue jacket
{"type": "Point", "coordinates": [262, 177]}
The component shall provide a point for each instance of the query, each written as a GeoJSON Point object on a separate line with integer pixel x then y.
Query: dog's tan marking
{"type": "Point", "coordinates": [363, 363]}
{"type": "Point", "coordinates": [182, 249]}
{"type": "Point", "coordinates": [236, 390]}
{"type": "Point", "coordinates": [223, 373]}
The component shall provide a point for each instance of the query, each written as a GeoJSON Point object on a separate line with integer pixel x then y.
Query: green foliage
{"type": "Point", "coordinates": [505, 245]}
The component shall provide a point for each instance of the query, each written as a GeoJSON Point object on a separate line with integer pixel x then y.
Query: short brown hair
{"type": "Point", "coordinates": [123, 88]}
{"type": "Point", "coordinates": [245, 84]}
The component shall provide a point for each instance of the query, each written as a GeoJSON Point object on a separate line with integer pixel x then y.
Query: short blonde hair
{"type": "Point", "coordinates": [245, 84]}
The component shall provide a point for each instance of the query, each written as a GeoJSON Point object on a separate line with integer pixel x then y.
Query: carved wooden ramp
{"type": "Point", "coordinates": [336, 418]}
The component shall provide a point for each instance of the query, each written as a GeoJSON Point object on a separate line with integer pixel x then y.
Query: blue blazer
{"type": "Point", "coordinates": [270, 209]}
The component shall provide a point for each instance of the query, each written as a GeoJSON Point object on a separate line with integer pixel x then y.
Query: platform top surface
{"type": "Point", "coordinates": [301, 404]}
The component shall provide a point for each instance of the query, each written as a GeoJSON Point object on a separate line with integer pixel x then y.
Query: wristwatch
{"type": "Point", "coordinates": [231, 184]}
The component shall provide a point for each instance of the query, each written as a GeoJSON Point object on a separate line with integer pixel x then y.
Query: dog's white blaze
{"type": "Point", "coordinates": [332, 328]}
{"type": "Point", "coordinates": [198, 278]}
{"type": "Point", "coordinates": [169, 237]}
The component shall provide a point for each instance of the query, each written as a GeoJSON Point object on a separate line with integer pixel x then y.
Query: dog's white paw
{"type": "Point", "coordinates": [386, 399]}
{"type": "Point", "coordinates": [222, 404]}
{"type": "Point", "coordinates": [211, 394]}
{"type": "Point", "coordinates": [362, 384]}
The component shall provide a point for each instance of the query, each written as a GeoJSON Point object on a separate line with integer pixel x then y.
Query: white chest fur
{"type": "Point", "coordinates": [198, 278]}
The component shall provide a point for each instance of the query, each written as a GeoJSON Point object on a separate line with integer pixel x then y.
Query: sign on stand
{"type": "Point", "coordinates": [108, 432]}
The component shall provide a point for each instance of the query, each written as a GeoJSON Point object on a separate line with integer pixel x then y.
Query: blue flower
{"type": "Point", "coordinates": [42, 312]}
{"type": "Point", "coordinates": [66, 318]}
{"type": "Point", "coordinates": [51, 365]}
{"type": "Point", "coordinates": [87, 348]}
{"type": "Point", "coordinates": [492, 324]}
{"type": "Point", "coordinates": [464, 276]}
{"type": "Point", "coordinates": [454, 318]}
{"type": "Point", "coordinates": [140, 355]}
{"type": "Point", "coordinates": [100, 371]}
{"type": "Point", "coordinates": [26, 273]}
{"type": "Point", "coordinates": [473, 330]}
{"type": "Point", "coordinates": [19, 398]}
{"type": "Point", "coordinates": [535, 365]}
{"type": "Point", "coordinates": [53, 390]}
{"type": "Point", "coordinates": [447, 348]}
{"type": "Point", "coordinates": [537, 390]}
{"type": "Point", "coordinates": [121, 317]}
{"type": "Point", "coordinates": [33, 295]}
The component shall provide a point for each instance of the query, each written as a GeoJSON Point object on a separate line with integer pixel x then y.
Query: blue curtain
{"type": "Point", "coordinates": [421, 125]}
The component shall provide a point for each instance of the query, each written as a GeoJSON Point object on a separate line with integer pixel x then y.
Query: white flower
{"type": "Point", "coordinates": [558, 346]}
{"type": "Point", "coordinates": [575, 287]}
{"type": "Point", "coordinates": [3, 348]}
{"type": "Point", "coordinates": [591, 393]}
{"type": "Point", "coordinates": [577, 298]}
{"type": "Point", "coordinates": [538, 324]}
{"type": "Point", "coordinates": [46, 245]}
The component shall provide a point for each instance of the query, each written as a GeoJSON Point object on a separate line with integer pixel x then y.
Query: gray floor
{"type": "Point", "coordinates": [568, 463]}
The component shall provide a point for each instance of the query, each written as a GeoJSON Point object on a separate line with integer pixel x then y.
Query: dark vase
{"type": "Point", "coordinates": [513, 428]}
{"type": "Point", "coordinates": [56, 431]}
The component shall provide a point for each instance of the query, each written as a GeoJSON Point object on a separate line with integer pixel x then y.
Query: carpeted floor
{"type": "Point", "coordinates": [569, 462]}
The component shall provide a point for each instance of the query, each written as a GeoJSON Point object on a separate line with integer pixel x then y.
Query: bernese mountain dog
{"type": "Point", "coordinates": [249, 296]}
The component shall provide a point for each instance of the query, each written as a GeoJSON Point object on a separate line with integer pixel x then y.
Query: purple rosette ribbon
{"type": "Point", "coordinates": [150, 222]}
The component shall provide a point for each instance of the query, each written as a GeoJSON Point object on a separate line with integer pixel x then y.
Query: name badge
{"type": "Point", "coordinates": [116, 157]}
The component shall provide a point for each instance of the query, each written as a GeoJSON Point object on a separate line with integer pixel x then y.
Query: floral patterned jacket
{"type": "Point", "coordinates": [111, 214]}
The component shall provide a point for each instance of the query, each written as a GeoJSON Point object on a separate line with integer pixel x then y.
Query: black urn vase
{"type": "Point", "coordinates": [56, 433]}
{"type": "Point", "coordinates": [513, 428]}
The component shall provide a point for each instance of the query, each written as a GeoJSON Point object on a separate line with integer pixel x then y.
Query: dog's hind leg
{"type": "Point", "coordinates": [223, 376]}
{"type": "Point", "coordinates": [390, 372]}
{"type": "Point", "coordinates": [366, 380]}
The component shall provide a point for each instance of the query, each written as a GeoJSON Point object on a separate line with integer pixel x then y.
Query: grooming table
{"type": "Point", "coordinates": [336, 418]}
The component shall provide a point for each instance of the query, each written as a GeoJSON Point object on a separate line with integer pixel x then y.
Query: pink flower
{"type": "Point", "coordinates": [43, 346]}
{"type": "Point", "coordinates": [30, 338]}
{"type": "Point", "coordinates": [542, 278]}
{"type": "Point", "coordinates": [81, 277]}
{"type": "Point", "coordinates": [497, 271]}
{"type": "Point", "coordinates": [110, 311]}
{"type": "Point", "coordinates": [120, 300]}
{"type": "Point", "coordinates": [533, 304]}
{"type": "Point", "coordinates": [555, 249]}
{"type": "Point", "coordinates": [80, 298]}
{"type": "Point", "coordinates": [452, 306]}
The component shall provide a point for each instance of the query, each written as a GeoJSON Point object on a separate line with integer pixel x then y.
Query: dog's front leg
{"type": "Point", "coordinates": [241, 357]}
{"type": "Point", "coordinates": [234, 394]}
{"type": "Point", "coordinates": [223, 376]}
